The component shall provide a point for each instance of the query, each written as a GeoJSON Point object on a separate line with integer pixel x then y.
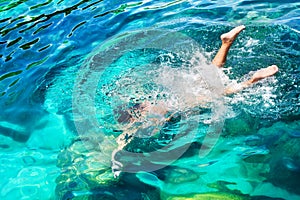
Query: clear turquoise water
{"type": "Point", "coordinates": [44, 48]}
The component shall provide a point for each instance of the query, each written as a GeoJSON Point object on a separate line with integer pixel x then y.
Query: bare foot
{"type": "Point", "coordinates": [263, 73]}
{"type": "Point", "coordinates": [229, 37]}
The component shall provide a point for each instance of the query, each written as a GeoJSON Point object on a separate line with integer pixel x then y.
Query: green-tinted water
{"type": "Point", "coordinates": [67, 65]}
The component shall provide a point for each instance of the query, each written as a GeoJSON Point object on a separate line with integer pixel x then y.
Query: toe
{"type": "Point", "coordinates": [274, 68]}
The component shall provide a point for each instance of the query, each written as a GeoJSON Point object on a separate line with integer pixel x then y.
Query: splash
{"type": "Point", "coordinates": [168, 74]}
{"type": "Point", "coordinates": [259, 99]}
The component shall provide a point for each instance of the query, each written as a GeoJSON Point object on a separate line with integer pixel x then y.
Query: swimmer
{"type": "Point", "coordinates": [140, 113]}
{"type": "Point", "coordinates": [220, 59]}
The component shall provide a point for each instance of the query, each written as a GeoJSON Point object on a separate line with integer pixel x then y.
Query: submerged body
{"type": "Point", "coordinates": [156, 114]}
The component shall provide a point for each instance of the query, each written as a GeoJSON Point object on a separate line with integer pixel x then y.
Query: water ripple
{"type": "Point", "coordinates": [45, 41]}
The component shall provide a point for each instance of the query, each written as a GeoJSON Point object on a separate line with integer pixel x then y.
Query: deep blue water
{"type": "Point", "coordinates": [50, 150]}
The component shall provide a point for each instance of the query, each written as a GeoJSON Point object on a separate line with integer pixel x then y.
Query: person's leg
{"type": "Point", "coordinates": [263, 73]}
{"type": "Point", "coordinates": [257, 76]}
{"type": "Point", "coordinates": [227, 40]}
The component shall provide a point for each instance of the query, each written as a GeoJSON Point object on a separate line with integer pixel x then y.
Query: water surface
{"type": "Point", "coordinates": [43, 48]}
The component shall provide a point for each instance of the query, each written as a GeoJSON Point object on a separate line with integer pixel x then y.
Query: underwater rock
{"type": "Point", "coordinates": [253, 140]}
{"type": "Point", "coordinates": [285, 173]}
{"type": "Point", "coordinates": [291, 164]}
{"type": "Point", "coordinates": [50, 133]}
{"type": "Point", "coordinates": [20, 119]}
{"type": "Point", "coordinates": [294, 133]}
{"type": "Point", "coordinates": [208, 196]}
{"type": "Point", "coordinates": [84, 167]}
{"type": "Point", "coordinates": [178, 175]}
{"type": "Point", "coordinates": [28, 182]}
{"type": "Point", "coordinates": [242, 124]}
{"type": "Point", "coordinates": [28, 160]}
{"type": "Point", "coordinates": [4, 146]}
{"type": "Point", "coordinates": [150, 179]}
{"type": "Point", "coordinates": [255, 155]}
{"type": "Point", "coordinates": [86, 172]}
{"type": "Point", "coordinates": [170, 180]}
{"type": "Point", "coordinates": [13, 131]}
{"type": "Point", "coordinates": [284, 163]}
{"type": "Point", "coordinates": [264, 198]}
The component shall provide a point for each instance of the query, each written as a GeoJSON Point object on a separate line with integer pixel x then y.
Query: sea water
{"type": "Point", "coordinates": [67, 65]}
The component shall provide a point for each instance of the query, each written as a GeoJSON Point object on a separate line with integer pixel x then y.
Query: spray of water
{"type": "Point", "coordinates": [165, 86]}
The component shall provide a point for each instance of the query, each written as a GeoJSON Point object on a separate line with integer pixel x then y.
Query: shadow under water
{"type": "Point", "coordinates": [44, 47]}
{"type": "Point", "coordinates": [259, 141]}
